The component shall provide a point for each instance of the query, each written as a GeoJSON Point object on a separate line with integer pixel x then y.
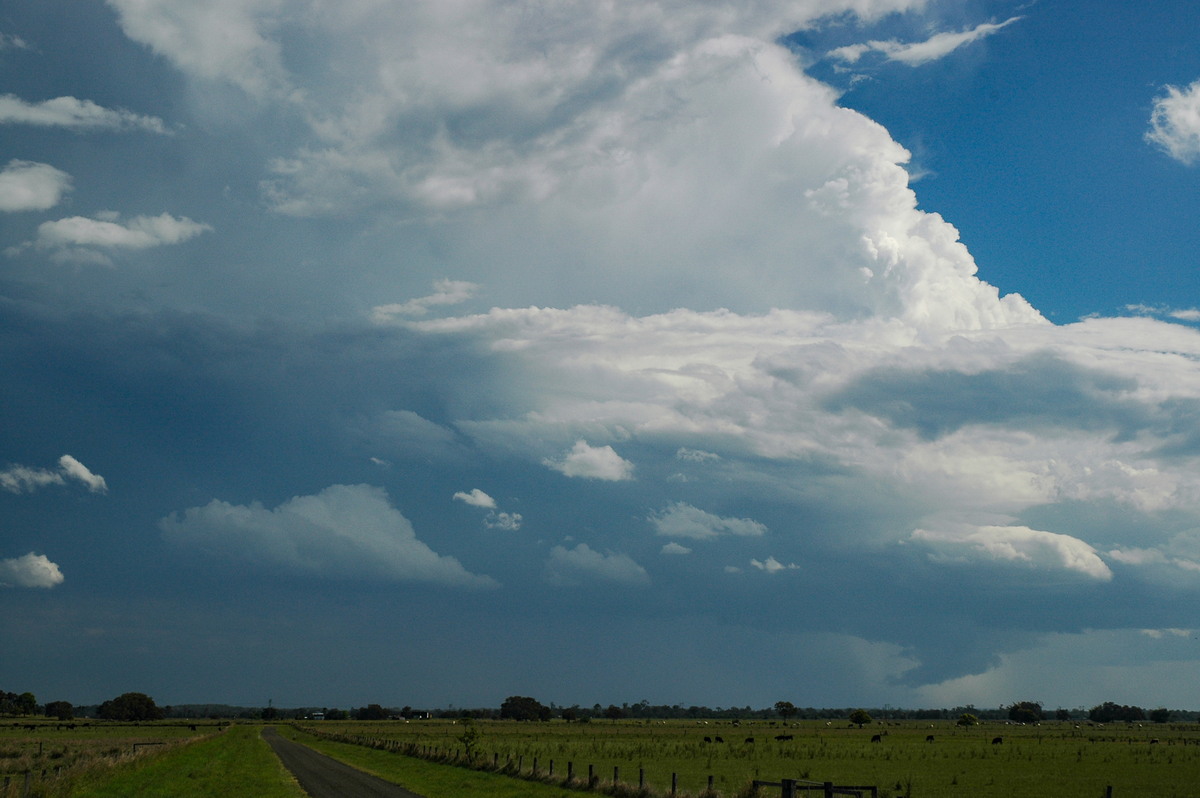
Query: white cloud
{"type": "Point", "coordinates": [1175, 123]}
{"type": "Point", "coordinates": [476, 498]}
{"type": "Point", "coordinates": [77, 470]}
{"type": "Point", "coordinates": [79, 239]}
{"type": "Point", "coordinates": [682, 520]}
{"type": "Point", "coordinates": [9, 41]}
{"type": "Point", "coordinates": [696, 455]}
{"type": "Point", "coordinates": [23, 479]}
{"type": "Point", "coordinates": [773, 566]}
{"type": "Point", "coordinates": [582, 564]}
{"type": "Point", "coordinates": [1186, 314]}
{"type": "Point", "coordinates": [446, 292]}
{"type": "Point", "coordinates": [1018, 544]}
{"type": "Point", "coordinates": [674, 548]}
{"type": "Point", "coordinates": [509, 522]}
{"type": "Point", "coordinates": [30, 186]}
{"type": "Point", "coordinates": [74, 114]}
{"type": "Point", "coordinates": [345, 531]}
{"type": "Point", "coordinates": [592, 462]}
{"type": "Point", "coordinates": [31, 570]}
{"type": "Point", "coordinates": [916, 53]}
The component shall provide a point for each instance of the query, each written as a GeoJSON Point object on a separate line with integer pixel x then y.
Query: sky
{"type": "Point", "coordinates": [842, 352]}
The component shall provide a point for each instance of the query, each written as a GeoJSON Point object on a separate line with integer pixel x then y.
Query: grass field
{"type": "Point", "coordinates": [1054, 760]}
{"type": "Point", "coordinates": [152, 759]}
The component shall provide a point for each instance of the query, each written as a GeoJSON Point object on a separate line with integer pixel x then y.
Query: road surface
{"type": "Point", "coordinates": [324, 777]}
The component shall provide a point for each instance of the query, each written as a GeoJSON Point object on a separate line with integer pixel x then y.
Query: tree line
{"type": "Point", "coordinates": [141, 707]}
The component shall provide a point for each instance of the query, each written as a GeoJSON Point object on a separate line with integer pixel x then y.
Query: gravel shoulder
{"type": "Point", "coordinates": [324, 777]}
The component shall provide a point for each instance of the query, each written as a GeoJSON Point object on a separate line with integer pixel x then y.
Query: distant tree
{"type": "Point", "coordinates": [130, 707]}
{"type": "Point", "coordinates": [336, 714]}
{"type": "Point", "coordinates": [1026, 712]}
{"type": "Point", "coordinates": [1160, 715]}
{"type": "Point", "coordinates": [270, 713]}
{"type": "Point", "coordinates": [860, 717]}
{"type": "Point", "coordinates": [1062, 714]}
{"type": "Point", "coordinates": [371, 712]}
{"type": "Point", "coordinates": [26, 704]}
{"type": "Point", "coordinates": [519, 707]}
{"type": "Point", "coordinates": [785, 709]}
{"type": "Point", "coordinates": [570, 714]}
{"type": "Point", "coordinates": [966, 719]}
{"type": "Point", "coordinates": [614, 712]}
{"type": "Point", "coordinates": [1109, 711]}
{"type": "Point", "coordinates": [60, 710]}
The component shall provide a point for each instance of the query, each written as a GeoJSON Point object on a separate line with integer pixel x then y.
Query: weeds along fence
{"type": "Point", "coordinates": [581, 778]}
{"type": "Point", "coordinates": [796, 788]}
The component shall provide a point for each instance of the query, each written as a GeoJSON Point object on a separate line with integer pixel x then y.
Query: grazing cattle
{"type": "Point", "coordinates": [997, 740]}
{"type": "Point", "coordinates": [1154, 741]}
{"type": "Point", "coordinates": [929, 738]}
{"type": "Point", "coordinates": [718, 740]}
{"type": "Point", "coordinates": [782, 737]}
{"type": "Point", "coordinates": [751, 739]}
{"type": "Point", "coordinates": [708, 739]}
{"type": "Point", "coordinates": [878, 738]}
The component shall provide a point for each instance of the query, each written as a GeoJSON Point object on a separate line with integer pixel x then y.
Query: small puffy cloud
{"type": "Point", "coordinates": [682, 520]}
{"type": "Point", "coordinates": [476, 498]}
{"type": "Point", "coordinates": [1017, 544]}
{"type": "Point", "coordinates": [1186, 314]}
{"type": "Point", "coordinates": [446, 292]}
{"type": "Point", "coordinates": [31, 570]}
{"type": "Point", "coordinates": [773, 566]}
{"type": "Point", "coordinates": [696, 455]}
{"type": "Point", "coordinates": [9, 41]}
{"type": "Point", "coordinates": [674, 548]}
{"type": "Point", "coordinates": [582, 563]}
{"type": "Point", "coordinates": [79, 239]}
{"type": "Point", "coordinates": [917, 53]}
{"type": "Point", "coordinates": [1175, 123]}
{"type": "Point", "coordinates": [77, 470]}
{"type": "Point", "coordinates": [345, 531]}
{"type": "Point", "coordinates": [30, 186]}
{"type": "Point", "coordinates": [509, 522]}
{"type": "Point", "coordinates": [23, 479]}
{"type": "Point", "coordinates": [74, 114]}
{"type": "Point", "coordinates": [592, 462]}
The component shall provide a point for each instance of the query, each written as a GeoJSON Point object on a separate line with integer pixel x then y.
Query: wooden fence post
{"type": "Point", "coordinates": [829, 789]}
{"type": "Point", "coordinates": [789, 788]}
{"type": "Point", "coordinates": [674, 783]}
{"type": "Point", "coordinates": [570, 770]}
{"type": "Point", "coordinates": [641, 778]}
{"type": "Point", "coordinates": [710, 778]}
{"type": "Point", "coordinates": [616, 774]}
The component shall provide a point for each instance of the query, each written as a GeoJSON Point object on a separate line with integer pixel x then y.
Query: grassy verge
{"type": "Point", "coordinates": [236, 762]}
{"type": "Point", "coordinates": [427, 778]}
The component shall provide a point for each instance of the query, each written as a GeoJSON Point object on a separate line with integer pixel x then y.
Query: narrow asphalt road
{"type": "Point", "coordinates": [324, 777]}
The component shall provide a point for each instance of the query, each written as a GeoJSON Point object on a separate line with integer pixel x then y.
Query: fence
{"type": "Point", "coordinates": [791, 788]}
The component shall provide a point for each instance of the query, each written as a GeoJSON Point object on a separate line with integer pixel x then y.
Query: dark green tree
{"type": "Point", "coordinates": [371, 712]}
{"type": "Point", "coordinates": [614, 712]}
{"type": "Point", "coordinates": [26, 704]}
{"type": "Point", "coordinates": [60, 710]}
{"type": "Point", "coordinates": [785, 709]}
{"type": "Point", "coordinates": [966, 719]}
{"type": "Point", "coordinates": [1109, 711]}
{"type": "Point", "coordinates": [1160, 715]}
{"type": "Point", "coordinates": [1026, 712]}
{"type": "Point", "coordinates": [130, 707]}
{"type": "Point", "coordinates": [860, 717]}
{"type": "Point", "coordinates": [1062, 714]}
{"type": "Point", "coordinates": [519, 707]}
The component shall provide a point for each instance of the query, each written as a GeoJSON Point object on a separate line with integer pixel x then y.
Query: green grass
{"type": "Point", "coordinates": [1054, 760]}
{"type": "Point", "coordinates": [426, 778]}
{"type": "Point", "coordinates": [235, 762]}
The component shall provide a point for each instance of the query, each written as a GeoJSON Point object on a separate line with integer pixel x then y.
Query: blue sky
{"type": "Point", "coordinates": [835, 352]}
